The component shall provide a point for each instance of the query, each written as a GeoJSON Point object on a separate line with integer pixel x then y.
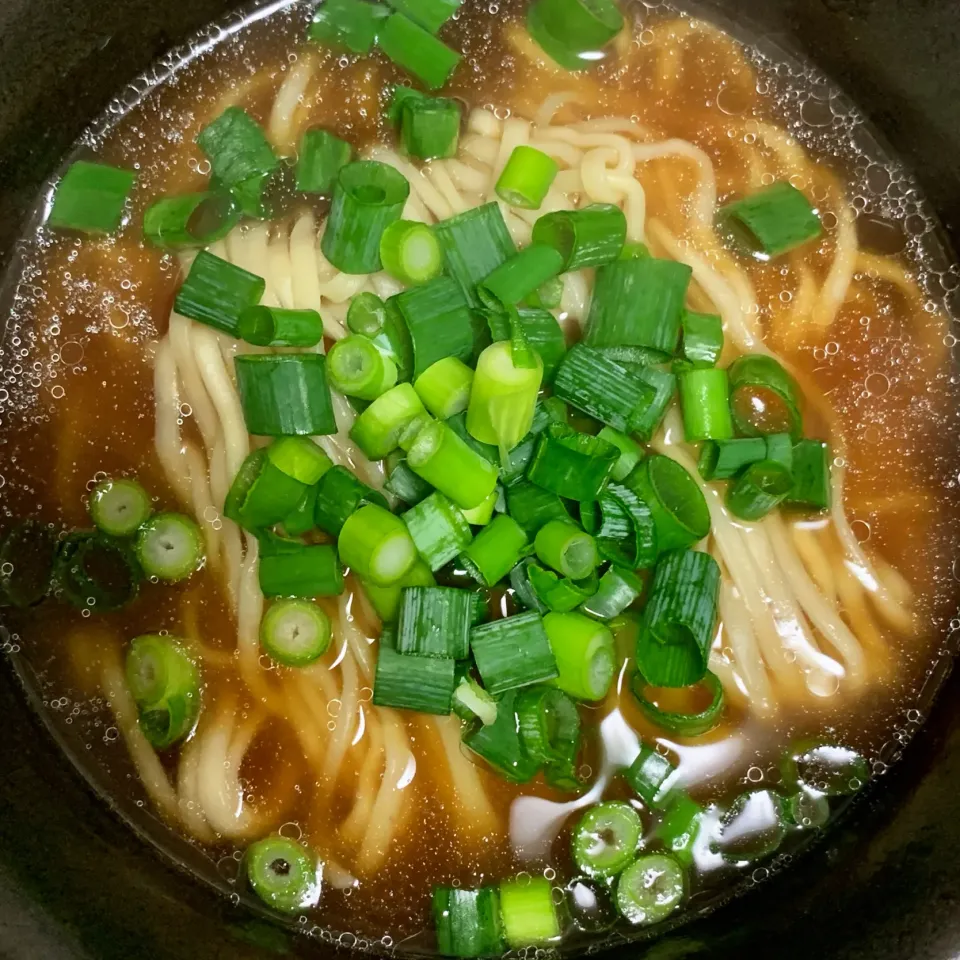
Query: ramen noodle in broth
{"type": "Point", "coordinates": [510, 698]}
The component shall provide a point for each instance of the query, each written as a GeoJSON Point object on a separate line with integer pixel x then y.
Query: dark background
{"type": "Point", "coordinates": [76, 883]}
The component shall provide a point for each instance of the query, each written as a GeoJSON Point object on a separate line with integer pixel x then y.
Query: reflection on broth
{"type": "Point", "coordinates": [828, 621]}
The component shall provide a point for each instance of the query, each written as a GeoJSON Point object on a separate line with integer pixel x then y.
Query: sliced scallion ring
{"type": "Point", "coordinates": [119, 507]}
{"type": "Point", "coordinates": [606, 838]}
{"type": "Point", "coordinates": [170, 546]}
{"type": "Point", "coordinates": [283, 873]}
{"type": "Point", "coordinates": [682, 724]}
{"type": "Point", "coordinates": [650, 889]}
{"type": "Point", "coordinates": [295, 632]}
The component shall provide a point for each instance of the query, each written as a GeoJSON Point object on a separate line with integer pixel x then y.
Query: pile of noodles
{"type": "Point", "coordinates": [803, 610]}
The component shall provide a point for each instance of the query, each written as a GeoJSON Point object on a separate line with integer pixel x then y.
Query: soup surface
{"type": "Point", "coordinates": [830, 622]}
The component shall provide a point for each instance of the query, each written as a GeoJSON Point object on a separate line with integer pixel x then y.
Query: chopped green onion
{"type": "Point", "coordinates": [369, 316]}
{"type": "Point", "coordinates": [367, 197]}
{"type": "Point", "coordinates": [347, 24]}
{"type": "Point", "coordinates": [299, 458]}
{"type": "Point", "coordinates": [289, 568]}
{"type": "Point", "coordinates": [190, 220]}
{"type": "Point", "coordinates": [682, 724]}
{"type": "Point", "coordinates": [585, 654]}
{"type": "Point", "coordinates": [91, 197]}
{"type": "Point", "coordinates": [474, 243]}
{"type": "Point", "coordinates": [285, 394]}
{"type": "Point", "coordinates": [430, 127]}
{"type": "Point", "coordinates": [319, 160]}
{"type": "Point", "coordinates": [386, 600]}
{"type": "Point", "coordinates": [549, 726]}
{"type": "Point", "coordinates": [581, 25]}
{"type": "Point", "coordinates": [495, 550]}
{"type": "Point", "coordinates": [439, 530]}
{"type": "Point", "coordinates": [679, 508]}
{"type": "Point", "coordinates": [807, 809]}
{"type": "Point", "coordinates": [270, 496]}
{"type": "Point", "coordinates": [301, 520]}
{"type": "Point", "coordinates": [547, 411]}
{"type": "Point", "coordinates": [557, 594]}
{"type": "Point", "coordinates": [377, 430]}
{"type": "Point", "coordinates": [547, 296]}
{"type": "Point", "coordinates": [780, 448]}
{"type": "Point", "coordinates": [410, 252]}
{"type": "Point", "coordinates": [29, 553]}
{"type": "Point", "coordinates": [435, 622]}
{"type": "Point", "coordinates": [275, 327]}
{"type": "Point", "coordinates": [664, 386]}
{"type": "Point", "coordinates": [376, 544]}
{"type": "Point", "coordinates": [404, 484]}
{"type": "Point", "coordinates": [499, 743]}
{"type": "Point", "coordinates": [634, 250]}
{"type": "Point", "coordinates": [519, 276]}
{"type": "Point", "coordinates": [830, 768]}
{"type": "Point", "coordinates": [567, 57]}
{"type": "Point", "coordinates": [481, 515]}
{"type": "Point", "coordinates": [169, 546]}
{"type": "Point", "coordinates": [702, 338]}
{"type": "Point", "coordinates": [650, 889]}
{"type": "Point", "coordinates": [705, 402]}
{"type": "Point", "coordinates": [417, 51]}
{"type": "Point", "coordinates": [681, 826]}
{"type": "Point", "coordinates": [401, 97]}
{"type": "Point", "coordinates": [762, 487]}
{"type": "Point", "coordinates": [637, 307]}
{"type": "Point", "coordinates": [512, 653]}
{"type": "Point", "coordinates": [532, 506]}
{"type": "Point", "coordinates": [561, 544]}
{"type": "Point", "coordinates": [542, 332]}
{"type": "Point", "coordinates": [425, 684]}
{"type": "Point", "coordinates": [429, 14]}
{"type": "Point", "coordinates": [811, 475]}
{"type": "Point", "coordinates": [165, 685]}
{"type": "Point", "coordinates": [631, 453]}
{"type": "Point", "coordinates": [467, 922]}
{"type": "Point", "coordinates": [772, 221]}
{"type": "Point", "coordinates": [723, 459]}
{"type": "Point", "coordinates": [339, 494]}
{"type": "Point", "coordinates": [444, 387]}
{"type": "Point", "coordinates": [752, 827]}
{"type": "Point", "coordinates": [678, 622]}
{"type": "Point", "coordinates": [618, 588]}
{"type": "Point", "coordinates": [571, 464]}
{"type": "Point", "coordinates": [606, 838]}
{"type": "Point", "coordinates": [216, 293]}
{"type": "Point", "coordinates": [472, 702]}
{"type": "Point", "coordinates": [441, 458]}
{"type": "Point", "coordinates": [294, 633]}
{"type": "Point", "coordinates": [526, 177]}
{"type": "Point", "coordinates": [528, 912]}
{"type": "Point", "coordinates": [648, 776]}
{"type": "Point", "coordinates": [282, 872]}
{"type": "Point", "coordinates": [589, 237]}
{"type": "Point", "coordinates": [626, 533]}
{"type": "Point", "coordinates": [119, 507]}
{"type": "Point", "coordinates": [243, 482]}
{"type": "Point", "coordinates": [358, 369]}
{"type": "Point", "coordinates": [764, 398]}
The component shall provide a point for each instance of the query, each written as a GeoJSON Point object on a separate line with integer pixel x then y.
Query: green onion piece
{"type": "Point", "coordinates": [561, 544]}
{"type": "Point", "coordinates": [585, 654]}
{"type": "Point", "coordinates": [417, 51]}
{"type": "Point", "coordinates": [626, 532]}
{"type": "Point", "coordinates": [246, 476]}
{"type": "Point", "coordinates": [119, 507]}
{"type": "Point", "coordinates": [367, 197]}
{"type": "Point", "coordinates": [571, 464]}
{"type": "Point", "coordinates": [650, 889]}
{"type": "Point", "coordinates": [439, 530]}
{"type": "Point", "coordinates": [764, 398]}
{"type": "Point", "coordinates": [439, 323]}
{"type": "Point", "coordinates": [169, 546]}
{"type": "Point", "coordinates": [241, 158]}
{"type": "Point", "coordinates": [702, 338]}
{"type": "Point", "coordinates": [495, 550]}
{"type": "Point", "coordinates": [807, 809]}
{"type": "Point", "coordinates": [547, 411]}
{"type": "Point", "coordinates": [532, 506]}
{"type": "Point", "coordinates": [519, 276]}
{"type": "Point", "coordinates": [301, 520]}
{"type": "Point", "coordinates": [681, 826]}
{"type": "Point", "coordinates": [580, 25]}
{"type": "Point", "coordinates": [762, 487]}
{"type": "Point", "coordinates": [401, 97]}
{"type": "Point", "coordinates": [637, 308]}
{"type": "Point", "coordinates": [567, 57]}
{"type": "Point", "coordinates": [275, 327]}
{"type": "Point", "coordinates": [618, 588]}
{"type": "Point", "coordinates": [503, 397]}
{"type": "Point", "coordinates": [780, 448]}
{"type": "Point", "coordinates": [678, 622]}
{"type": "Point", "coordinates": [165, 685]}
{"type": "Point", "coordinates": [190, 220]}
{"type": "Point", "coordinates": [547, 296]}
{"type": "Point", "coordinates": [474, 244]}
{"type": "Point", "coordinates": [285, 394]}
{"type": "Point", "coordinates": [549, 725]}
{"type": "Point", "coordinates": [634, 250]}
{"type": "Point", "coordinates": [526, 178]}
{"type": "Point", "coordinates": [512, 653]}
{"type": "Point", "coordinates": [589, 237]}
{"type": "Point", "coordinates": [752, 827]}
{"type": "Point", "coordinates": [664, 386]}
{"type": "Point", "coordinates": [295, 633]}
{"type": "Point", "coordinates": [410, 252]}
{"type": "Point", "coordinates": [289, 568]}
{"type": "Point", "coordinates": [467, 922]}
{"type": "Point", "coordinates": [772, 221]}
{"type": "Point", "coordinates": [830, 768]}
{"type": "Point", "coordinates": [376, 545]}
{"type": "Point", "coordinates": [811, 475]}
{"type": "Point", "coordinates": [216, 293]}
{"type": "Point", "coordinates": [723, 459]}
{"type": "Point", "coordinates": [557, 594]}
{"type": "Point", "coordinates": [435, 622]}
{"type": "Point", "coordinates": [319, 160]}
{"type": "Point", "coordinates": [472, 702]}
{"type": "Point", "coordinates": [339, 494]}
{"type": "Point", "coordinates": [282, 872]}
{"type": "Point", "coordinates": [370, 317]}
{"type": "Point", "coordinates": [441, 458]}
{"type": "Point", "coordinates": [648, 776]}
{"type": "Point", "coordinates": [429, 14]}
{"type": "Point", "coordinates": [29, 554]}
{"type": "Point", "coordinates": [430, 127]}
{"type": "Point", "coordinates": [499, 743]}
{"type": "Point", "coordinates": [528, 912]}
{"type": "Point", "coordinates": [358, 369]}
{"type": "Point", "coordinates": [299, 458]}
{"type": "Point", "coordinates": [606, 838]}
{"type": "Point", "coordinates": [403, 483]}
{"type": "Point", "coordinates": [540, 329]}
{"type": "Point", "coordinates": [677, 503]}
{"type": "Point", "coordinates": [631, 453]}
{"type": "Point", "coordinates": [425, 684]}
{"type": "Point", "coordinates": [682, 724]}
{"type": "Point", "coordinates": [481, 515]}
{"type": "Point", "coordinates": [271, 495]}
{"type": "Point", "coordinates": [602, 389]}
{"type": "Point", "coordinates": [705, 401]}
{"type": "Point", "coordinates": [347, 24]}
{"type": "Point", "coordinates": [444, 387]}
{"type": "Point", "coordinates": [386, 600]}
{"type": "Point", "coordinates": [377, 430]}
{"type": "Point", "coordinates": [91, 197]}
{"type": "Point", "coordinates": [523, 588]}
